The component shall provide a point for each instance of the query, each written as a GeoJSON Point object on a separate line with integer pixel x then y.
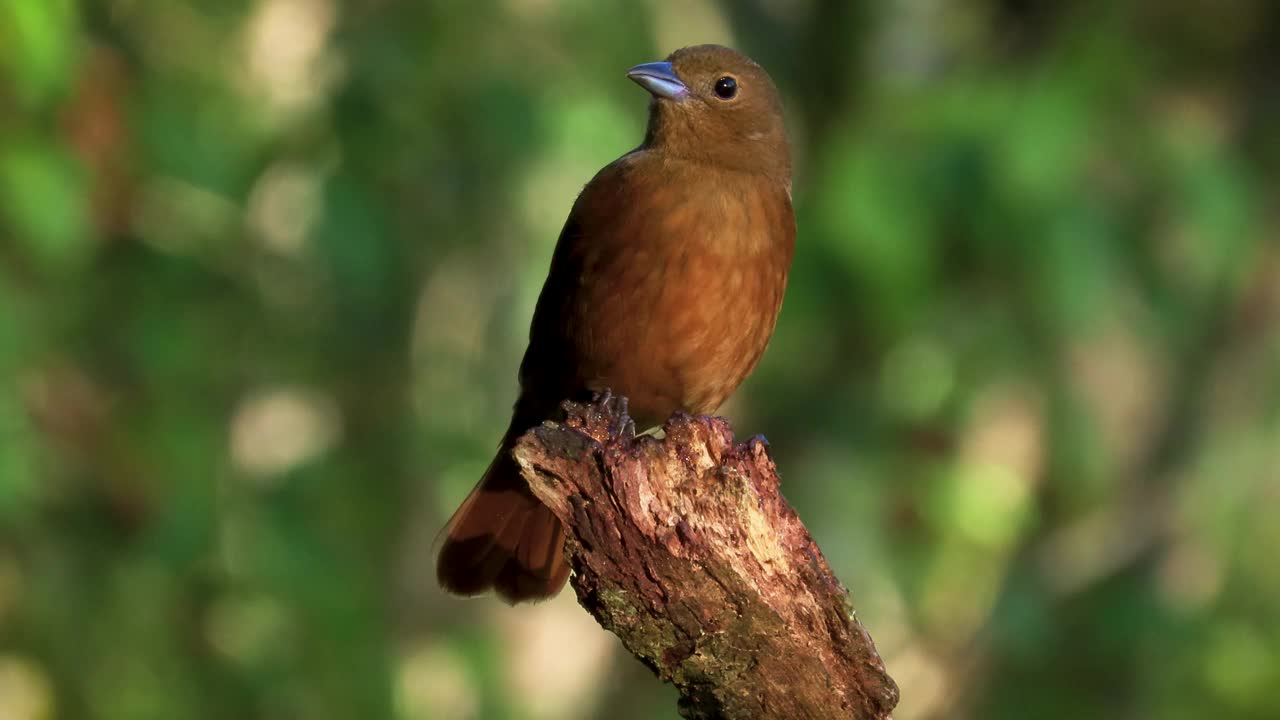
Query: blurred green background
{"type": "Point", "coordinates": [266, 269]}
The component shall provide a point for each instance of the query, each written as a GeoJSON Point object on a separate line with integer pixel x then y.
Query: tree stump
{"type": "Point", "coordinates": [686, 550]}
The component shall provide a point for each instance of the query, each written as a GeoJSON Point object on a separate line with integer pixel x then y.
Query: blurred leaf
{"type": "Point", "coordinates": [42, 191]}
{"type": "Point", "coordinates": [39, 42]}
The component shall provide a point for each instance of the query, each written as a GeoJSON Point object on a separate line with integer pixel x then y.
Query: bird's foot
{"type": "Point", "coordinates": [616, 407]}
{"type": "Point", "coordinates": [602, 397]}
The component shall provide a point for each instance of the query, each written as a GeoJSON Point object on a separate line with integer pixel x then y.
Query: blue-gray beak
{"type": "Point", "coordinates": [660, 79]}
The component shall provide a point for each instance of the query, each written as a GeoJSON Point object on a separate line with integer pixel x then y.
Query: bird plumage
{"type": "Point", "coordinates": [664, 287]}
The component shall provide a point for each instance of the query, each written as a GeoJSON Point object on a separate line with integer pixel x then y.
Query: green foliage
{"type": "Point", "coordinates": [266, 270]}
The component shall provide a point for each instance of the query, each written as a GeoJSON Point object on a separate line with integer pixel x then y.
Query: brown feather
{"type": "Point", "coordinates": [502, 538]}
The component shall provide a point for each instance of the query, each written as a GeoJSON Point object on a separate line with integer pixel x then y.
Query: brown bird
{"type": "Point", "coordinates": [664, 288]}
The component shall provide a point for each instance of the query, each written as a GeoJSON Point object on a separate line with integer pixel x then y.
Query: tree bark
{"type": "Point", "coordinates": [686, 550]}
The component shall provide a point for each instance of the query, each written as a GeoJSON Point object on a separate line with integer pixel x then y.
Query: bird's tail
{"type": "Point", "coordinates": [503, 538]}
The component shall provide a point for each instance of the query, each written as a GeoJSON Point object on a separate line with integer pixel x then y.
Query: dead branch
{"type": "Point", "coordinates": [686, 550]}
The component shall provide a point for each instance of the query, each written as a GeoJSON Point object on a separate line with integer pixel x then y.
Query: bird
{"type": "Point", "coordinates": [664, 288]}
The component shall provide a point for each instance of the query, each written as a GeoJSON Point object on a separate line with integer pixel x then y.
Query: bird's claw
{"type": "Point", "coordinates": [603, 397]}
{"type": "Point", "coordinates": [613, 404]}
{"type": "Point", "coordinates": [624, 426]}
{"type": "Point", "coordinates": [616, 407]}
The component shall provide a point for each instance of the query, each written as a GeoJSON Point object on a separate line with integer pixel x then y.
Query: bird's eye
{"type": "Point", "coordinates": [726, 88]}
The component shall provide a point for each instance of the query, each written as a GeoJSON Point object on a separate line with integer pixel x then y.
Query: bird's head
{"type": "Point", "coordinates": [713, 104]}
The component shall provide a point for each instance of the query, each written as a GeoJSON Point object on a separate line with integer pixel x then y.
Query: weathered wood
{"type": "Point", "coordinates": [686, 550]}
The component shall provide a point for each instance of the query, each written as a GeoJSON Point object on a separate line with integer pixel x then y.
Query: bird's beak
{"type": "Point", "coordinates": [660, 79]}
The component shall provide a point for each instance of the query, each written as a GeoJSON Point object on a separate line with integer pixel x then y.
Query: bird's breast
{"type": "Point", "coordinates": [691, 311]}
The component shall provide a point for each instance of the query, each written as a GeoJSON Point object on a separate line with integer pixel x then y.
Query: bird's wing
{"type": "Point", "coordinates": [603, 237]}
